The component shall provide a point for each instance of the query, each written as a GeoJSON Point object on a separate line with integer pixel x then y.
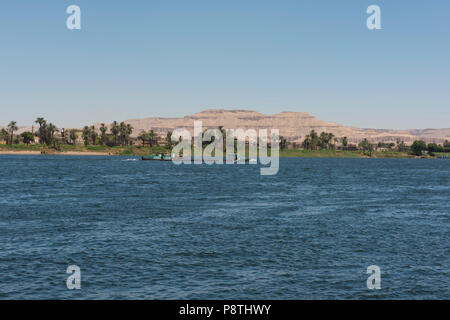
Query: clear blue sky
{"type": "Point", "coordinates": [172, 58]}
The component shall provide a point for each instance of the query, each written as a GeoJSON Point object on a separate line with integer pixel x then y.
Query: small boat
{"type": "Point", "coordinates": [158, 157]}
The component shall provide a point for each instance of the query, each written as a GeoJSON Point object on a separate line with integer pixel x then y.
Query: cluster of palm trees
{"type": "Point", "coordinates": [8, 135]}
{"type": "Point", "coordinates": [89, 135]}
{"type": "Point", "coordinates": [120, 134]}
{"type": "Point", "coordinates": [313, 141]}
{"type": "Point", "coordinates": [46, 131]}
{"type": "Point", "coordinates": [149, 138]}
{"type": "Point", "coordinates": [367, 147]}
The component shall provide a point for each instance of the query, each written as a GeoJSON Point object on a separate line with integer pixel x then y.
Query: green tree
{"type": "Point", "coordinates": [324, 140]}
{"type": "Point", "coordinates": [311, 141]}
{"type": "Point", "coordinates": [27, 137]}
{"type": "Point", "coordinates": [433, 147]}
{"type": "Point", "coordinates": [86, 134]}
{"type": "Point", "coordinates": [12, 126]}
{"type": "Point", "coordinates": [46, 132]}
{"type": "Point", "coordinates": [73, 136]}
{"type": "Point", "coordinates": [169, 139]}
{"type": "Point", "coordinates": [50, 133]}
{"type": "Point", "coordinates": [153, 138]}
{"type": "Point", "coordinates": [418, 146]}
{"type": "Point", "coordinates": [344, 142]}
{"type": "Point", "coordinates": [283, 143]}
{"type": "Point", "coordinates": [94, 135]}
{"type": "Point", "coordinates": [4, 135]}
{"type": "Point", "coordinates": [115, 131]}
{"type": "Point", "coordinates": [129, 131]}
{"type": "Point", "coordinates": [401, 146]}
{"type": "Point", "coordinates": [123, 133]}
{"type": "Point", "coordinates": [149, 138]}
{"type": "Point", "coordinates": [40, 121]}
{"type": "Point", "coordinates": [103, 130]}
{"type": "Point", "coordinates": [143, 136]}
{"type": "Point", "coordinates": [446, 144]}
{"type": "Point", "coordinates": [42, 124]}
{"type": "Point", "coordinates": [366, 146]}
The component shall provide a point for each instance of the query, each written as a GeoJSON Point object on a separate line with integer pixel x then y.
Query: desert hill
{"type": "Point", "coordinates": [292, 125]}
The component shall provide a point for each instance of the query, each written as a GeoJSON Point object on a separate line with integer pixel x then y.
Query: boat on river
{"type": "Point", "coordinates": [160, 157]}
{"type": "Point", "coordinates": [157, 157]}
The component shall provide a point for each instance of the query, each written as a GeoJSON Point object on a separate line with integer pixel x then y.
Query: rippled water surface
{"type": "Point", "coordinates": [153, 230]}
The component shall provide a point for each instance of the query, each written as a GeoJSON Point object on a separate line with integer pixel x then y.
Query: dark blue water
{"type": "Point", "coordinates": [153, 230]}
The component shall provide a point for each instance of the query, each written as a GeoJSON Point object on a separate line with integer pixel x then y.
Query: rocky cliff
{"type": "Point", "coordinates": [292, 125]}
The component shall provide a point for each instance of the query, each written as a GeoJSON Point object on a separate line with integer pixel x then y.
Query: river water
{"type": "Point", "coordinates": [154, 230]}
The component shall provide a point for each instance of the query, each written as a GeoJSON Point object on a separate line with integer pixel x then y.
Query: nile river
{"type": "Point", "coordinates": [154, 230]}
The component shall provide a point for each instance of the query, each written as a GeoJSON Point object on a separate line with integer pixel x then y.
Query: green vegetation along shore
{"type": "Point", "coordinates": [116, 139]}
{"type": "Point", "coordinates": [141, 151]}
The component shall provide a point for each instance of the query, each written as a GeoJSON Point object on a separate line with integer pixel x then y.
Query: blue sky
{"type": "Point", "coordinates": [170, 58]}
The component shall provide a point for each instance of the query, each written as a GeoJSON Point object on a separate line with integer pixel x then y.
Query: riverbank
{"type": "Point", "coordinates": [78, 150]}
{"type": "Point", "coordinates": [342, 154]}
{"type": "Point", "coordinates": [67, 153]}
{"type": "Point", "coordinates": [21, 149]}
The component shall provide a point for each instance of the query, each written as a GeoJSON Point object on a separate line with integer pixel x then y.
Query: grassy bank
{"type": "Point", "coordinates": [119, 150]}
{"type": "Point", "coordinates": [141, 151]}
{"type": "Point", "coordinates": [342, 154]}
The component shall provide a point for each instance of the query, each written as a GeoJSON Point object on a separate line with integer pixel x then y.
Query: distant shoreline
{"type": "Point", "coordinates": [65, 153]}
{"type": "Point", "coordinates": [134, 151]}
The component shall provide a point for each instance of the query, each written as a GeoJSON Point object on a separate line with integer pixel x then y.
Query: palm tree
{"type": "Point", "coordinates": [73, 136]}
{"type": "Point", "coordinates": [153, 138]}
{"type": "Point", "coordinates": [330, 141]}
{"type": "Point", "coordinates": [326, 140]}
{"type": "Point", "coordinates": [103, 130]}
{"type": "Point", "coordinates": [314, 139]}
{"type": "Point", "coordinates": [311, 141]}
{"type": "Point", "coordinates": [366, 146]}
{"type": "Point", "coordinates": [283, 142]}
{"type": "Point", "coordinates": [40, 121]}
{"type": "Point", "coordinates": [344, 142]}
{"type": "Point", "coordinates": [4, 135]}
{"type": "Point", "coordinates": [51, 129]}
{"type": "Point", "coordinates": [41, 132]}
{"type": "Point", "coordinates": [446, 144]}
{"type": "Point", "coordinates": [12, 127]}
{"type": "Point", "coordinates": [86, 135]}
{"type": "Point", "coordinates": [144, 137]}
{"type": "Point", "coordinates": [169, 139]}
{"type": "Point", "coordinates": [27, 137]}
{"type": "Point", "coordinates": [115, 131]}
{"type": "Point", "coordinates": [94, 135]}
{"type": "Point", "coordinates": [129, 131]}
{"type": "Point", "coordinates": [125, 132]}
